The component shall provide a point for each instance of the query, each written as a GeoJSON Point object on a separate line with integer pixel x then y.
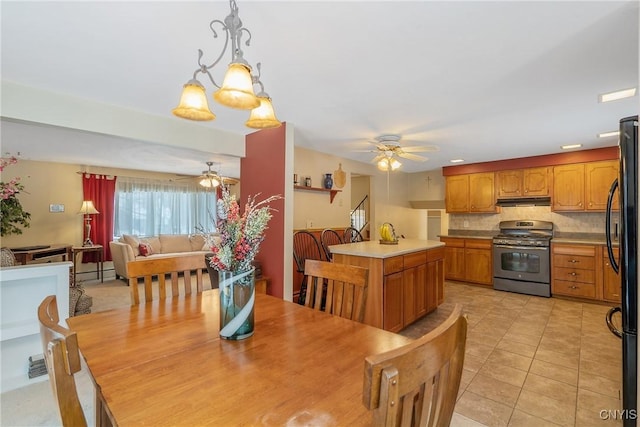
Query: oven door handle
{"type": "Point", "coordinates": [527, 248]}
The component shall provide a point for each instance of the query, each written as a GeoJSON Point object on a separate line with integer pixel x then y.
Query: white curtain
{"type": "Point", "coordinates": [146, 207]}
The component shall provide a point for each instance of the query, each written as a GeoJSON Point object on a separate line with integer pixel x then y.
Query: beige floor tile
{"type": "Point", "coordinates": [520, 348]}
{"type": "Point", "coordinates": [612, 370]}
{"type": "Point", "coordinates": [512, 360]}
{"type": "Point", "coordinates": [503, 373]}
{"type": "Point", "coordinates": [483, 410]}
{"type": "Point", "coordinates": [515, 336]}
{"type": "Point", "coordinates": [522, 419]}
{"type": "Point", "coordinates": [494, 389]}
{"type": "Point", "coordinates": [539, 405]}
{"type": "Point", "coordinates": [458, 420]}
{"type": "Point", "coordinates": [569, 361]}
{"type": "Point", "coordinates": [554, 389]}
{"type": "Point", "coordinates": [466, 377]}
{"type": "Point", "coordinates": [596, 409]}
{"type": "Point", "coordinates": [570, 347]}
{"type": "Point", "coordinates": [556, 372]}
{"type": "Point", "coordinates": [479, 351]}
{"type": "Point", "coordinates": [473, 363]}
{"type": "Point", "coordinates": [600, 385]}
{"type": "Point", "coordinates": [600, 355]}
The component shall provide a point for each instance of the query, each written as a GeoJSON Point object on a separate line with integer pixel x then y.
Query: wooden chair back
{"type": "Point", "coordinates": [417, 384]}
{"type": "Point", "coordinates": [305, 246]}
{"type": "Point", "coordinates": [346, 288]}
{"type": "Point", "coordinates": [327, 238]}
{"type": "Point", "coordinates": [60, 347]}
{"type": "Point", "coordinates": [352, 235]}
{"type": "Point", "coordinates": [161, 267]}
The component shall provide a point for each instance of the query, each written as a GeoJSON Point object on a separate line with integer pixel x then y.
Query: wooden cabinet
{"type": "Point", "coordinates": [469, 260]}
{"type": "Point", "coordinates": [611, 284]}
{"type": "Point", "coordinates": [457, 194]}
{"type": "Point", "coordinates": [412, 284]}
{"type": "Point", "coordinates": [574, 271]}
{"type": "Point", "coordinates": [531, 182]}
{"type": "Point", "coordinates": [472, 193]}
{"type": "Point", "coordinates": [568, 187]}
{"type": "Point", "coordinates": [583, 186]}
{"type": "Point", "coordinates": [598, 179]}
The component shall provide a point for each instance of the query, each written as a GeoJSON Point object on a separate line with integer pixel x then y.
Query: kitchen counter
{"type": "Point", "coordinates": [582, 239]}
{"type": "Point", "coordinates": [375, 249]}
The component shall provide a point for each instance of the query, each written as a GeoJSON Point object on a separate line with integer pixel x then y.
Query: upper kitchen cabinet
{"type": "Point", "coordinates": [583, 186]}
{"type": "Point", "coordinates": [471, 193]}
{"type": "Point", "coordinates": [531, 182]}
{"type": "Point", "coordinates": [598, 179]}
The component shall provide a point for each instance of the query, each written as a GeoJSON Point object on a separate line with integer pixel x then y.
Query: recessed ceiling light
{"type": "Point", "coordinates": [570, 146]}
{"type": "Point", "coordinates": [457, 160]}
{"type": "Point", "coordinates": [608, 134]}
{"type": "Point", "coordinates": [619, 94]}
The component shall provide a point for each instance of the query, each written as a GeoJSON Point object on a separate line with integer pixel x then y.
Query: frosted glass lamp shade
{"type": "Point", "coordinates": [210, 182]}
{"type": "Point", "coordinates": [87, 208]}
{"type": "Point", "coordinates": [263, 117]}
{"type": "Point", "coordinates": [193, 103]}
{"type": "Point", "coordinates": [237, 89]}
{"type": "Point", "coordinates": [388, 164]}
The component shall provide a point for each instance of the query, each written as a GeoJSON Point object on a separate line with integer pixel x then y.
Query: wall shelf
{"type": "Point", "coordinates": [332, 192]}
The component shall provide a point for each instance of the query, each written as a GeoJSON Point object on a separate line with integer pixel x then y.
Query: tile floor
{"type": "Point", "coordinates": [532, 361]}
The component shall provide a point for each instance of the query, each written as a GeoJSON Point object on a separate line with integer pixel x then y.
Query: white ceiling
{"type": "Point", "coordinates": [481, 80]}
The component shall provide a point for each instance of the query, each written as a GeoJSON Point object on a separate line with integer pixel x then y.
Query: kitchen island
{"type": "Point", "coordinates": [406, 281]}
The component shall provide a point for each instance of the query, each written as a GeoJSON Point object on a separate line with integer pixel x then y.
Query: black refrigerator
{"type": "Point", "coordinates": [627, 269]}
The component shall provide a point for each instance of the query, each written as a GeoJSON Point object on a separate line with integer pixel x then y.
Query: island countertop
{"type": "Point", "coordinates": [374, 249]}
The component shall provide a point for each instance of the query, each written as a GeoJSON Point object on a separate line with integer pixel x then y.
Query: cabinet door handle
{"type": "Point", "coordinates": [573, 273]}
{"type": "Point", "coordinates": [573, 261]}
{"type": "Point", "coordinates": [573, 287]}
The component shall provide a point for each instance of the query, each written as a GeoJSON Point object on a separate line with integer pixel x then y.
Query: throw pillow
{"type": "Point", "coordinates": [132, 241]}
{"type": "Point", "coordinates": [145, 249]}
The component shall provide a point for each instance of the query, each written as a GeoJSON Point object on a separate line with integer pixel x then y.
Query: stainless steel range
{"type": "Point", "coordinates": [521, 257]}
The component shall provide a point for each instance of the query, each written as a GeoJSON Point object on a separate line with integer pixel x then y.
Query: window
{"type": "Point", "coordinates": [146, 207]}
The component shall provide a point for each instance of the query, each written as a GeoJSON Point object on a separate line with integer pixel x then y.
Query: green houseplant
{"type": "Point", "coordinates": [12, 216]}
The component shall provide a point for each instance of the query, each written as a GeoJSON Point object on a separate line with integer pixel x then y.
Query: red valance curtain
{"type": "Point", "coordinates": [101, 190]}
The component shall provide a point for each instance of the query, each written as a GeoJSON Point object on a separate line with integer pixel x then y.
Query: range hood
{"type": "Point", "coordinates": [524, 201]}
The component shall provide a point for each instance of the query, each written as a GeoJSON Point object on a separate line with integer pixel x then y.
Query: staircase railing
{"type": "Point", "coordinates": [359, 215]}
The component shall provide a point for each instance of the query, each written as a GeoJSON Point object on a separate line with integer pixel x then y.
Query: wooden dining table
{"type": "Point", "coordinates": [163, 364]}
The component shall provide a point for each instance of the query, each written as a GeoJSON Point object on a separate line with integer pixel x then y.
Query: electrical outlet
{"type": "Point", "coordinates": [465, 224]}
{"type": "Point", "coordinates": [309, 223]}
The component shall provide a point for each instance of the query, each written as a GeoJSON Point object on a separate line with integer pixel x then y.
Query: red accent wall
{"type": "Point", "coordinates": [583, 156]}
{"type": "Point", "coordinates": [262, 171]}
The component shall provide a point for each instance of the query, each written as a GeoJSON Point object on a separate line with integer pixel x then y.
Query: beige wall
{"type": "Point", "coordinates": [426, 185]}
{"type": "Point", "coordinates": [48, 183]}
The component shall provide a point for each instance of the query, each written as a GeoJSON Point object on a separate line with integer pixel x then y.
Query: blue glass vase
{"type": "Point", "coordinates": [328, 181]}
{"type": "Point", "coordinates": [237, 300]}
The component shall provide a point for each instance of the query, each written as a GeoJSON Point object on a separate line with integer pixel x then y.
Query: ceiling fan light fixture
{"type": "Point", "coordinates": [388, 164]}
{"type": "Point", "coordinates": [263, 117]}
{"type": "Point", "coordinates": [210, 182]}
{"type": "Point", "coordinates": [193, 103]}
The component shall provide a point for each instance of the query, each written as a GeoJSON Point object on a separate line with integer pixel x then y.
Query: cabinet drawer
{"type": "Point", "coordinates": [393, 265]}
{"type": "Point", "coordinates": [573, 261]}
{"type": "Point", "coordinates": [415, 259]}
{"type": "Point", "coordinates": [575, 289]}
{"type": "Point", "coordinates": [574, 250]}
{"type": "Point", "coordinates": [574, 275]}
{"type": "Point", "coordinates": [435, 254]}
{"type": "Point", "coordinates": [452, 242]}
{"type": "Point", "coordinates": [478, 243]}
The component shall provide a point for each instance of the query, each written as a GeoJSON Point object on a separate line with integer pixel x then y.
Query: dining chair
{"type": "Point", "coordinates": [327, 238]}
{"type": "Point", "coordinates": [417, 384]}
{"type": "Point", "coordinates": [352, 235]}
{"type": "Point", "coordinates": [159, 268]}
{"type": "Point", "coordinates": [338, 289]}
{"type": "Point", "coordinates": [305, 246]}
{"type": "Point", "coordinates": [62, 358]}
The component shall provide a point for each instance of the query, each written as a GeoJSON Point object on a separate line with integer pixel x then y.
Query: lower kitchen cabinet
{"type": "Point", "coordinates": [574, 270]}
{"type": "Point", "coordinates": [468, 260]}
{"type": "Point", "coordinates": [393, 302]}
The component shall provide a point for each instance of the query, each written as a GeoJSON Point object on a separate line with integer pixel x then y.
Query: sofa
{"type": "Point", "coordinates": [130, 248]}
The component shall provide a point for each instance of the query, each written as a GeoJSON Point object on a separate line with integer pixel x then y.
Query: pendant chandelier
{"type": "Point", "coordinates": [237, 86]}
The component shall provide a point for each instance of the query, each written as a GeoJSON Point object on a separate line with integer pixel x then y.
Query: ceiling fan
{"type": "Point", "coordinates": [211, 179]}
{"type": "Point", "coordinates": [388, 151]}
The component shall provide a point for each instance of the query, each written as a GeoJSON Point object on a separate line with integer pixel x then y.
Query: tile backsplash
{"type": "Point", "coordinates": [568, 222]}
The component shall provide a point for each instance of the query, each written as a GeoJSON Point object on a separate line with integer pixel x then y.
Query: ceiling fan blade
{"type": "Point", "coordinates": [420, 149]}
{"type": "Point", "coordinates": [414, 157]}
{"type": "Point", "coordinates": [380, 145]}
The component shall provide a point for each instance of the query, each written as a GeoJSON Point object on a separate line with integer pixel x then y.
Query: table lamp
{"type": "Point", "coordinates": [87, 209]}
